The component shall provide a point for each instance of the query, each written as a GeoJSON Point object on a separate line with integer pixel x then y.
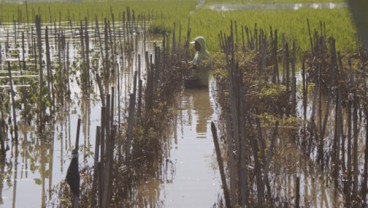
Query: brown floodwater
{"type": "Point", "coordinates": [195, 181]}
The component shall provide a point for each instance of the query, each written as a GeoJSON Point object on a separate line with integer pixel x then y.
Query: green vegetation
{"type": "Point", "coordinates": [202, 21]}
{"type": "Point", "coordinates": [292, 23]}
{"type": "Point", "coordinates": [272, 1]}
{"type": "Point", "coordinates": [77, 11]}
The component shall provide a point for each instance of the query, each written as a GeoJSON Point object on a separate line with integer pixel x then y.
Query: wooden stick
{"type": "Point", "coordinates": [221, 166]}
{"type": "Point", "coordinates": [39, 44]}
{"type": "Point", "coordinates": [96, 164]}
{"type": "Point", "coordinates": [297, 192]}
{"type": "Point", "coordinates": [13, 103]}
{"type": "Point", "coordinates": [271, 147]}
{"type": "Point", "coordinates": [102, 96]}
{"type": "Point", "coordinates": [76, 197]}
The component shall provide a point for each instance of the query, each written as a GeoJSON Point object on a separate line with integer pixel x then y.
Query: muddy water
{"type": "Point", "coordinates": [40, 162]}
{"type": "Point", "coordinates": [196, 181]}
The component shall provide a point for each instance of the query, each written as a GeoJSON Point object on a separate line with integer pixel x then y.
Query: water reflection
{"type": "Point", "coordinates": [195, 182]}
{"type": "Point", "coordinates": [199, 101]}
{"type": "Point", "coordinates": [316, 189]}
{"type": "Point", "coordinates": [31, 169]}
{"type": "Point", "coordinates": [2, 174]}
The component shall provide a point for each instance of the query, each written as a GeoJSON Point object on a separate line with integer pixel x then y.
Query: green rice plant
{"type": "Point", "coordinates": [78, 11]}
{"type": "Point", "coordinates": [292, 23]}
{"type": "Point", "coordinates": [202, 21]}
{"type": "Point", "coordinates": [271, 1]}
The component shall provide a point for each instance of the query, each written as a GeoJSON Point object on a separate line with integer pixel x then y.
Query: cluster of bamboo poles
{"type": "Point", "coordinates": [48, 52]}
{"type": "Point", "coordinates": [331, 118]}
{"type": "Point", "coordinates": [100, 59]}
{"type": "Point", "coordinates": [340, 87]}
{"type": "Point", "coordinates": [245, 142]}
{"type": "Point", "coordinates": [123, 157]}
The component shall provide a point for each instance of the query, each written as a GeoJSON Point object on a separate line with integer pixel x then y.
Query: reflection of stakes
{"type": "Point", "coordinates": [324, 196]}
{"type": "Point", "coordinates": [314, 192]}
{"type": "Point", "coordinates": [2, 176]}
{"type": "Point", "coordinates": [72, 176]}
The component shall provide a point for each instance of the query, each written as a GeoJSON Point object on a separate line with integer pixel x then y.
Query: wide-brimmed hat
{"type": "Point", "coordinates": [196, 39]}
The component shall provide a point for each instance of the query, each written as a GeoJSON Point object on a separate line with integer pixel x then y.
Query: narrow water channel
{"type": "Point", "coordinates": [196, 181]}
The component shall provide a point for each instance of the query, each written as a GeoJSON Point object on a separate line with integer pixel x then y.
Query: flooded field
{"type": "Point", "coordinates": [310, 121]}
{"type": "Point", "coordinates": [34, 166]}
{"type": "Point", "coordinates": [291, 131]}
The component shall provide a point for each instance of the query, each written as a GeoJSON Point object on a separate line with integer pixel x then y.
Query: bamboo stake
{"type": "Point", "coordinates": [1, 61]}
{"type": "Point", "coordinates": [96, 165]}
{"type": "Point", "coordinates": [321, 139]}
{"type": "Point", "coordinates": [83, 68]}
{"type": "Point", "coordinates": [23, 53]}
{"type": "Point", "coordinates": [221, 166]}
{"type": "Point", "coordinates": [139, 87]}
{"type": "Point", "coordinates": [48, 66]}
{"type": "Point", "coordinates": [12, 92]}
{"type": "Point", "coordinates": [87, 56]}
{"type": "Point", "coordinates": [73, 177]}
{"type": "Point", "coordinates": [130, 125]}
{"type": "Point", "coordinates": [355, 142]}
{"type": "Point", "coordinates": [102, 153]}
{"type": "Point", "coordinates": [297, 192]}
{"type": "Point", "coordinates": [263, 155]}
{"type": "Point", "coordinates": [310, 37]}
{"type": "Point", "coordinates": [107, 63]}
{"type": "Point", "coordinates": [365, 169]}
{"type": "Point", "coordinates": [349, 148]}
{"type": "Point", "coordinates": [102, 96]}
{"type": "Point", "coordinates": [293, 80]}
{"type": "Point", "coordinates": [258, 173]}
{"type": "Point", "coordinates": [271, 147]}
{"type": "Point", "coordinates": [275, 60]}
{"type": "Point", "coordinates": [365, 172]}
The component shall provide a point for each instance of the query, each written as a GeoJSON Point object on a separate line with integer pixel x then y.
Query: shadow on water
{"type": "Point", "coordinates": [276, 6]}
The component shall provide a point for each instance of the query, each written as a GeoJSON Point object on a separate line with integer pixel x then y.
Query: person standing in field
{"type": "Point", "coordinates": [201, 63]}
{"type": "Point", "coordinates": [201, 51]}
